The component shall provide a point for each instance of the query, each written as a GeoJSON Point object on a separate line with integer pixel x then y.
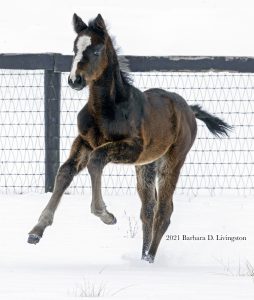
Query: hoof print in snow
{"type": "Point", "coordinates": [33, 239]}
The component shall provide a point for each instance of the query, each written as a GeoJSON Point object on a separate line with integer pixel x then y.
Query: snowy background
{"type": "Point", "coordinates": [79, 253]}
{"type": "Point", "coordinates": [163, 27]}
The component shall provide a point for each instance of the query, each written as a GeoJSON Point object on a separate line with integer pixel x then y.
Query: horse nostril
{"type": "Point", "coordinates": [78, 79]}
{"type": "Point", "coordinates": [77, 83]}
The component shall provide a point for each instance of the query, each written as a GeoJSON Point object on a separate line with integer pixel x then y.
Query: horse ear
{"type": "Point", "coordinates": [99, 23]}
{"type": "Point", "coordinates": [78, 24]}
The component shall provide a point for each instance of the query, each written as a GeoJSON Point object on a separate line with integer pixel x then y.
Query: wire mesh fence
{"type": "Point", "coordinates": [21, 131]}
{"type": "Point", "coordinates": [213, 166]}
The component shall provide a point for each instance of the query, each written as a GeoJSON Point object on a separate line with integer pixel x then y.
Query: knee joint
{"type": "Point", "coordinates": [67, 169]}
{"type": "Point", "coordinates": [96, 162]}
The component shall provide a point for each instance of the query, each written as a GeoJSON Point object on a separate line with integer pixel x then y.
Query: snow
{"type": "Point", "coordinates": [164, 27]}
{"type": "Point", "coordinates": [79, 250]}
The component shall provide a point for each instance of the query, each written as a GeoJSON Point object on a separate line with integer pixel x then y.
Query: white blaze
{"type": "Point", "coordinates": [83, 42]}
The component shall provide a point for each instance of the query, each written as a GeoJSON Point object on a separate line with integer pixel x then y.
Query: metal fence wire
{"type": "Point", "coordinates": [213, 166]}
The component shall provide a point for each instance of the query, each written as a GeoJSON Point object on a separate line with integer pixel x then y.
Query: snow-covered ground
{"type": "Point", "coordinates": [79, 254]}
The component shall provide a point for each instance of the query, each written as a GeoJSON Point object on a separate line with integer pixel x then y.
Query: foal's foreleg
{"type": "Point", "coordinates": [146, 175]}
{"type": "Point", "coordinates": [126, 151]}
{"type": "Point", "coordinates": [75, 163]}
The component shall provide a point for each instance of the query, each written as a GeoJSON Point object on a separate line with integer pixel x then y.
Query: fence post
{"type": "Point", "coordinates": [52, 98]}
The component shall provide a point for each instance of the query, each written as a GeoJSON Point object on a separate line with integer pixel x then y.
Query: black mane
{"type": "Point", "coordinates": [124, 68]}
{"type": "Point", "coordinates": [122, 61]}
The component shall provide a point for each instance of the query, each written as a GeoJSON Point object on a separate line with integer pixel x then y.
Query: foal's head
{"type": "Point", "coordinates": [91, 48]}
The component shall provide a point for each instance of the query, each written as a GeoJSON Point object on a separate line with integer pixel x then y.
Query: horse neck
{"type": "Point", "coordinates": [109, 89]}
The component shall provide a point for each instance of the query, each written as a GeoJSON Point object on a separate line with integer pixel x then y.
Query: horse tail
{"type": "Point", "coordinates": [217, 126]}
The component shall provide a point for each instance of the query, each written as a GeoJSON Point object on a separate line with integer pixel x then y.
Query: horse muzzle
{"type": "Point", "coordinates": [78, 84]}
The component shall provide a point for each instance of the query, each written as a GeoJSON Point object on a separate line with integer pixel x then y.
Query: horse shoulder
{"type": "Point", "coordinates": [85, 120]}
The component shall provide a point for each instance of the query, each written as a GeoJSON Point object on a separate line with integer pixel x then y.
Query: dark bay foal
{"type": "Point", "coordinates": [154, 130]}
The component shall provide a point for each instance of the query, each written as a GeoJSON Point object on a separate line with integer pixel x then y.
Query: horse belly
{"type": "Point", "coordinates": [148, 156]}
{"type": "Point", "coordinates": [154, 149]}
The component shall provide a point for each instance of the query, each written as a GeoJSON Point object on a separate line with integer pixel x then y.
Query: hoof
{"type": "Point", "coordinates": [148, 258]}
{"type": "Point", "coordinates": [108, 218]}
{"type": "Point", "coordinates": [33, 239]}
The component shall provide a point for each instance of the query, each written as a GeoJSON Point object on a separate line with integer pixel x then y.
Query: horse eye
{"type": "Point", "coordinates": [96, 52]}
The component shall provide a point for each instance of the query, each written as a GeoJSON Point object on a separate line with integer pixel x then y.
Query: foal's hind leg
{"type": "Point", "coordinates": [146, 175]}
{"type": "Point", "coordinates": [75, 163]}
{"type": "Point", "coordinates": [168, 174]}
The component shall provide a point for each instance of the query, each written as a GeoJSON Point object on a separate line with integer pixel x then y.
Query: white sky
{"type": "Point", "coordinates": [162, 27]}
